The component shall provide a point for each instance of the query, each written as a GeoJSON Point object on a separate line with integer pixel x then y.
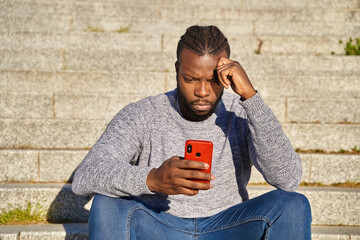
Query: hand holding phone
{"type": "Point", "coordinates": [184, 176]}
{"type": "Point", "coordinates": [199, 150]}
{"type": "Point", "coordinates": [174, 177]}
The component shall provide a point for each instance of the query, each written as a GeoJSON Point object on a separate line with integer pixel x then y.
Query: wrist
{"type": "Point", "coordinates": [150, 180]}
{"type": "Point", "coordinates": [248, 94]}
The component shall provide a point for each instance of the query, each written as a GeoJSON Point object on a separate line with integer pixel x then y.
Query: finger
{"type": "Point", "coordinates": [226, 72]}
{"type": "Point", "coordinates": [180, 190]}
{"type": "Point", "coordinates": [222, 78]}
{"type": "Point", "coordinates": [189, 164]}
{"type": "Point", "coordinates": [232, 65]}
{"type": "Point", "coordinates": [189, 192]}
{"type": "Point", "coordinates": [225, 78]}
{"type": "Point", "coordinates": [230, 73]}
{"type": "Point", "coordinates": [223, 61]}
{"type": "Point", "coordinates": [194, 174]}
{"type": "Point", "coordinates": [219, 78]}
{"type": "Point", "coordinates": [190, 184]}
{"type": "Point", "coordinates": [175, 158]}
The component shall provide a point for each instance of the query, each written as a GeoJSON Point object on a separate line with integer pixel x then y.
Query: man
{"type": "Point", "coordinates": [145, 190]}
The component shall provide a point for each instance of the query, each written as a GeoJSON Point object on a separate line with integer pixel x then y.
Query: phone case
{"type": "Point", "coordinates": [199, 150]}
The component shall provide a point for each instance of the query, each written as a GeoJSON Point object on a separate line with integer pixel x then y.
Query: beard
{"type": "Point", "coordinates": [189, 113]}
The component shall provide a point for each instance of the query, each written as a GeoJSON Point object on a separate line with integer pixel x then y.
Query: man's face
{"type": "Point", "coordinates": [199, 90]}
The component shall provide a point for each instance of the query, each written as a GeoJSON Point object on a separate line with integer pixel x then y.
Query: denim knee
{"type": "Point", "coordinates": [293, 203]}
{"type": "Point", "coordinates": [297, 201]}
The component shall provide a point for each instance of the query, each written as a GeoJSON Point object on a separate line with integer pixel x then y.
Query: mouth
{"type": "Point", "coordinates": [202, 106]}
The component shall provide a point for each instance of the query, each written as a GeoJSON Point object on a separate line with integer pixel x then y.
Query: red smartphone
{"type": "Point", "coordinates": [199, 150]}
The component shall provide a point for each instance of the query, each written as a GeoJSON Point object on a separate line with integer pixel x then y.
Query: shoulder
{"type": "Point", "coordinates": [136, 117]}
{"type": "Point", "coordinates": [146, 107]}
{"type": "Point", "coordinates": [150, 103]}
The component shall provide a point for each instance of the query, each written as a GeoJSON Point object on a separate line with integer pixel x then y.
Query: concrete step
{"type": "Point", "coordinates": [151, 83]}
{"type": "Point", "coordinates": [279, 10]}
{"type": "Point", "coordinates": [80, 231]}
{"type": "Point", "coordinates": [57, 201]}
{"type": "Point", "coordinates": [315, 110]}
{"type": "Point", "coordinates": [322, 110]}
{"type": "Point", "coordinates": [328, 137]}
{"type": "Point", "coordinates": [168, 43]}
{"type": "Point", "coordinates": [80, 134]}
{"type": "Point", "coordinates": [50, 134]}
{"type": "Point", "coordinates": [68, 231]}
{"type": "Point", "coordinates": [259, 4]}
{"type": "Point", "coordinates": [301, 86]}
{"type": "Point", "coordinates": [229, 27]}
{"type": "Point", "coordinates": [39, 165]}
{"type": "Point", "coordinates": [335, 233]}
{"type": "Point", "coordinates": [197, 10]}
{"type": "Point", "coordinates": [311, 65]}
{"type": "Point", "coordinates": [93, 82]}
{"type": "Point", "coordinates": [115, 60]}
{"type": "Point", "coordinates": [59, 166]}
{"type": "Point", "coordinates": [81, 40]}
{"type": "Point", "coordinates": [324, 169]}
{"type": "Point", "coordinates": [275, 45]}
{"type": "Point", "coordinates": [105, 106]}
{"type": "Point", "coordinates": [330, 206]}
{"type": "Point", "coordinates": [63, 106]}
{"type": "Point", "coordinates": [177, 27]}
{"type": "Point", "coordinates": [36, 24]}
{"type": "Point", "coordinates": [111, 60]}
{"type": "Point", "coordinates": [254, 4]}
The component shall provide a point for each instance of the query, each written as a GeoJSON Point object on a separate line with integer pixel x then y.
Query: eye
{"type": "Point", "coordinates": [189, 79]}
{"type": "Point", "coordinates": [215, 80]}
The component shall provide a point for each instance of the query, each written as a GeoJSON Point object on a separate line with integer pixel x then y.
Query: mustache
{"type": "Point", "coordinates": [201, 101]}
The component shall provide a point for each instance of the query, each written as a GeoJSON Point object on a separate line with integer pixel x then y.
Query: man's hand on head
{"type": "Point", "coordinates": [231, 73]}
{"type": "Point", "coordinates": [173, 177]}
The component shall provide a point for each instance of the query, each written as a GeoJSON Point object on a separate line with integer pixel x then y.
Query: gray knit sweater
{"type": "Point", "coordinates": [146, 133]}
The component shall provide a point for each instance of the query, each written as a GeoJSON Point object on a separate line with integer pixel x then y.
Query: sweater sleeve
{"type": "Point", "coordinates": [270, 150]}
{"type": "Point", "coordinates": [109, 168]}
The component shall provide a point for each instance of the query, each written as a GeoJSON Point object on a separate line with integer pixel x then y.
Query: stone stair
{"type": "Point", "coordinates": [334, 210]}
{"type": "Point", "coordinates": [67, 67]}
{"type": "Point", "coordinates": [79, 231]}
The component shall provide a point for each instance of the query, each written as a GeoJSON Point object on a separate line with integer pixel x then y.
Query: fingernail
{"type": "Point", "coordinates": [211, 186]}
{"type": "Point", "coordinates": [206, 165]}
{"type": "Point", "coordinates": [212, 177]}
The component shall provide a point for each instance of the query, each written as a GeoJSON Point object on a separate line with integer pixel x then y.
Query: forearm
{"type": "Point", "coordinates": [100, 174]}
{"type": "Point", "coordinates": [270, 150]}
{"type": "Point", "coordinates": [109, 168]}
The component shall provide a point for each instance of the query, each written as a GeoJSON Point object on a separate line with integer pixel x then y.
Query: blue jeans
{"type": "Point", "coordinates": [274, 215]}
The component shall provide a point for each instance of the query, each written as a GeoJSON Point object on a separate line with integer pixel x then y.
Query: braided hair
{"type": "Point", "coordinates": [203, 40]}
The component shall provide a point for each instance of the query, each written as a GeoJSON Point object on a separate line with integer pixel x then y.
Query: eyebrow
{"type": "Point", "coordinates": [196, 78]}
{"type": "Point", "coordinates": [189, 76]}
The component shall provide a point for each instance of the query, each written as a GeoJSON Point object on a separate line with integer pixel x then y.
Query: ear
{"type": "Point", "coordinates": [177, 65]}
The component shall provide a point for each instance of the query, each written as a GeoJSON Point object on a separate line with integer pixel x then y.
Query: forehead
{"type": "Point", "coordinates": [193, 63]}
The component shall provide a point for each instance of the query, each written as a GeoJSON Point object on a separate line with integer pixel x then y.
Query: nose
{"type": "Point", "coordinates": [203, 89]}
